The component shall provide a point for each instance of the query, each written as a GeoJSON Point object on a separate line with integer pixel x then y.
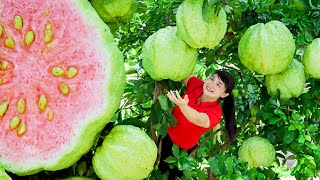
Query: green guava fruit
{"type": "Point", "coordinates": [77, 178]}
{"type": "Point", "coordinates": [199, 26]}
{"type": "Point", "coordinates": [266, 48]}
{"type": "Point", "coordinates": [62, 78]}
{"type": "Point", "coordinates": [112, 11]}
{"type": "Point", "coordinates": [311, 58]}
{"type": "Point", "coordinates": [257, 151]}
{"type": "Point", "coordinates": [290, 82]}
{"type": "Point", "coordinates": [166, 56]}
{"type": "Point", "coordinates": [127, 153]}
{"type": "Point", "coordinates": [4, 175]}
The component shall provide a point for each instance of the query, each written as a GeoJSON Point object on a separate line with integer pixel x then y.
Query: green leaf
{"type": "Point", "coordinates": [280, 113]}
{"type": "Point", "coordinates": [175, 150]}
{"type": "Point", "coordinates": [311, 164]}
{"type": "Point", "coordinates": [213, 2]}
{"type": "Point", "coordinates": [82, 168]}
{"type": "Point", "coordinates": [311, 145]}
{"type": "Point", "coordinates": [308, 37]}
{"type": "Point", "coordinates": [313, 128]}
{"type": "Point", "coordinates": [289, 136]}
{"type": "Point", "coordinates": [301, 139]}
{"type": "Point", "coordinates": [307, 138]}
{"type": "Point", "coordinates": [274, 120]}
{"type": "Point", "coordinates": [214, 165]}
{"type": "Point", "coordinates": [229, 164]}
{"type": "Point", "coordinates": [201, 175]}
{"type": "Point", "coordinates": [163, 102]}
{"type": "Point", "coordinates": [171, 159]}
{"type": "Point", "coordinates": [187, 173]}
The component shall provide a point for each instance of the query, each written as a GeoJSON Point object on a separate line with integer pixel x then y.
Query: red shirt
{"type": "Point", "coordinates": [186, 134]}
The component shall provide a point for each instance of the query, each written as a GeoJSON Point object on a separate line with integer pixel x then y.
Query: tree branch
{"type": "Point", "coordinates": [204, 141]}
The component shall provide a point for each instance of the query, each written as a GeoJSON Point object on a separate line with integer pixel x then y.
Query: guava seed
{"type": "Point", "coordinates": [9, 42]}
{"type": "Point", "coordinates": [18, 23]}
{"type": "Point", "coordinates": [50, 115]}
{"type": "Point", "coordinates": [3, 108]}
{"type": "Point", "coordinates": [21, 106]}
{"type": "Point", "coordinates": [1, 30]}
{"type": "Point", "coordinates": [21, 129]}
{"type": "Point", "coordinates": [29, 38]}
{"type": "Point", "coordinates": [42, 103]}
{"type": "Point", "coordinates": [64, 89]}
{"type": "Point", "coordinates": [48, 34]}
{"type": "Point", "coordinates": [15, 122]}
{"type": "Point", "coordinates": [57, 71]}
{"type": "Point", "coordinates": [4, 65]}
{"type": "Point", "coordinates": [72, 72]}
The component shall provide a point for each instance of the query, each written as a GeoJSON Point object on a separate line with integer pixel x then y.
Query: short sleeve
{"type": "Point", "coordinates": [193, 83]}
{"type": "Point", "coordinates": [214, 117]}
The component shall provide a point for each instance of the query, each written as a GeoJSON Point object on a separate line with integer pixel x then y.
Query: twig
{"type": "Point", "coordinates": [168, 19]}
{"type": "Point", "coordinates": [204, 141]}
{"type": "Point", "coordinates": [159, 153]}
{"type": "Point", "coordinates": [158, 90]}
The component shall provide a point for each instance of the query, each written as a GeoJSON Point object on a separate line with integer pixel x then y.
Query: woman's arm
{"type": "Point", "coordinates": [195, 117]}
{"type": "Point", "coordinates": [185, 81]}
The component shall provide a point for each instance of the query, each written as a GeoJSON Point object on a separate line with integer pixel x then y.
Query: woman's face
{"type": "Point", "coordinates": [214, 87]}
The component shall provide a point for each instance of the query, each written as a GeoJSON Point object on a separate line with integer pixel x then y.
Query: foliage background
{"type": "Point", "coordinates": [291, 126]}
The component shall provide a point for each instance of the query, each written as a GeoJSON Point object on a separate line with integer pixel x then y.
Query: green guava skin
{"type": "Point", "coordinates": [290, 82]}
{"type": "Point", "coordinates": [127, 153]}
{"type": "Point", "coordinates": [267, 48]}
{"type": "Point", "coordinates": [311, 58]}
{"type": "Point", "coordinates": [257, 151]}
{"type": "Point", "coordinates": [200, 28]}
{"type": "Point", "coordinates": [4, 175]}
{"type": "Point", "coordinates": [166, 56]}
{"type": "Point", "coordinates": [112, 11]}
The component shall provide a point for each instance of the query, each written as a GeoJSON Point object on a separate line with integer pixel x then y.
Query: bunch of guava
{"type": "Point", "coordinates": [257, 151]}
{"type": "Point", "coordinates": [166, 56]}
{"type": "Point", "coordinates": [267, 48]}
{"type": "Point", "coordinates": [127, 153]}
{"type": "Point", "coordinates": [311, 58]}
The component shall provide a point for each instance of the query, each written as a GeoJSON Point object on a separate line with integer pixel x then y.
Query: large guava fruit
{"type": "Point", "coordinates": [166, 56]}
{"type": "Point", "coordinates": [257, 151]}
{"type": "Point", "coordinates": [267, 48]}
{"type": "Point", "coordinates": [311, 58]}
{"type": "Point", "coordinates": [198, 24]}
{"type": "Point", "coordinates": [62, 77]}
{"type": "Point", "coordinates": [127, 153]}
{"type": "Point", "coordinates": [112, 11]}
{"type": "Point", "coordinates": [290, 82]}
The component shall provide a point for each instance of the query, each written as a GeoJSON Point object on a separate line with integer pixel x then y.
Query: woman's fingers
{"type": "Point", "coordinates": [178, 96]}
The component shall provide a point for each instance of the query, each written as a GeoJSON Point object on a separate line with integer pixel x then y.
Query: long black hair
{"type": "Point", "coordinates": [228, 107]}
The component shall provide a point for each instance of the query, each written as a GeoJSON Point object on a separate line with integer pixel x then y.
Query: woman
{"type": "Point", "coordinates": [198, 111]}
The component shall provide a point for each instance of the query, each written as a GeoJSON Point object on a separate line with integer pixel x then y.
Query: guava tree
{"type": "Point", "coordinates": [290, 124]}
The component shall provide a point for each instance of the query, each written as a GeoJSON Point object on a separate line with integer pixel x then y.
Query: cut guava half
{"type": "Point", "coordinates": [61, 81]}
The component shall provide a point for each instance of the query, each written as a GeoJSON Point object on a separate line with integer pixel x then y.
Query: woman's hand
{"type": "Point", "coordinates": [176, 98]}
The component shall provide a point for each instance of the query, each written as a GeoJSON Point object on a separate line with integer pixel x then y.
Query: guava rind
{"type": "Point", "coordinates": [166, 56]}
{"type": "Point", "coordinates": [267, 48]}
{"type": "Point", "coordinates": [290, 82]}
{"type": "Point", "coordinates": [199, 31]}
{"type": "Point", "coordinates": [311, 58]}
{"type": "Point", "coordinates": [127, 153]}
{"type": "Point", "coordinates": [88, 132]}
{"type": "Point", "coordinates": [112, 11]}
{"type": "Point", "coordinates": [4, 175]}
{"type": "Point", "coordinates": [257, 151]}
